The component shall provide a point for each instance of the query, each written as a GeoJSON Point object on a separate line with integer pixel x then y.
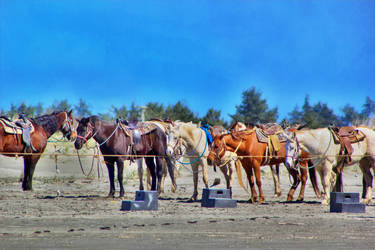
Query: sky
{"type": "Point", "coordinates": [205, 53]}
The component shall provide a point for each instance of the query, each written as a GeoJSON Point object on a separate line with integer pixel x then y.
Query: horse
{"type": "Point", "coordinates": [304, 161]}
{"type": "Point", "coordinates": [165, 125]}
{"type": "Point", "coordinates": [320, 142]}
{"type": "Point", "coordinates": [194, 140]}
{"type": "Point", "coordinates": [251, 152]}
{"type": "Point", "coordinates": [275, 170]}
{"type": "Point", "coordinates": [44, 126]}
{"type": "Point", "coordinates": [116, 146]}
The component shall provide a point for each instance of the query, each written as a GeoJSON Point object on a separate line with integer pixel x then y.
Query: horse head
{"type": "Point", "coordinates": [217, 150]}
{"type": "Point", "coordinates": [291, 149]}
{"type": "Point", "coordinates": [85, 130]}
{"type": "Point", "coordinates": [65, 121]}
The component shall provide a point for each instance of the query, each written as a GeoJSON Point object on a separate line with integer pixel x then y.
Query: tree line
{"type": "Point", "coordinates": [252, 109]}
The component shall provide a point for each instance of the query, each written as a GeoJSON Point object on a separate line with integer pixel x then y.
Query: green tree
{"type": "Point", "coordinates": [180, 112]}
{"type": "Point", "coordinates": [154, 110]}
{"type": "Point", "coordinates": [82, 109]}
{"type": "Point", "coordinates": [296, 116]}
{"type": "Point", "coordinates": [319, 115]}
{"type": "Point", "coordinates": [213, 117]}
{"type": "Point", "coordinates": [59, 105]}
{"type": "Point", "coordinates": [134, 112]}
{"type": "Point", "coordinates": [253, 109]}
{"type": "Point", "coordinates": [368, 109]}
{"type": "Point", "coordinates": [39, 109]}
{"type": "Point", "coordinates": [351, 116]}
{"type": "Point", "coordinates": [121, 112]}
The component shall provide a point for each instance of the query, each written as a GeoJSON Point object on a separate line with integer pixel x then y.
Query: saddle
{"type": "Point", "coordinates": [19, 127]}
{"type": "Point", "coordinates": [135, 130]}
{"type": "Point", "coordinates": [345, 136]}
{"type": "Point", "coordinates": [273, 135]}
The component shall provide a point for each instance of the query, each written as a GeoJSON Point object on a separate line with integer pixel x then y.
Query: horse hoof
{"type": "Point", "coordinates": [300, 199]}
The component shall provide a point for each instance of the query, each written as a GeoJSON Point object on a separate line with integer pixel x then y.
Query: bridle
{"type": "Point", "coordinates": [67, 124]}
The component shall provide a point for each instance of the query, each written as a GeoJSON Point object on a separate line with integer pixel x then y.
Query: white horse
{"type": "Point", "coordinates": [320, 142]}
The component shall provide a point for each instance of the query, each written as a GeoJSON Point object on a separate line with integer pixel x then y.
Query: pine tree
{"type": "Point", "coordinates": [253, 109]}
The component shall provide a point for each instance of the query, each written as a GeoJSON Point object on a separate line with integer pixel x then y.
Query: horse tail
{"type": "Point", "coordinates": [239, 175]}
{"type": "Point", "coordinates": [313, 179]}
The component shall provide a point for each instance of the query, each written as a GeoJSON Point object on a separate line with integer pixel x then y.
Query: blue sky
{"type": "Point", "coordinates": [202, 52]}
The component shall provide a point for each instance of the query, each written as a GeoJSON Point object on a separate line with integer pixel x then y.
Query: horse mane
{"type": "Point", "coordinates": [48, 121]}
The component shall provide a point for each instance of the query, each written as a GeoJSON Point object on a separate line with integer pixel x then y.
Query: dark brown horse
{"type": "Point", "coordinates": [246, 144]}
{"type": "Point", "coordinates": [44, 126]}
{"type": "Point", "coordinates": [115, 145]}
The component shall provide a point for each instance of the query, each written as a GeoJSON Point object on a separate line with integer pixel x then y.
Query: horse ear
{"type": "Point", "coordinates": [70, 112]}
{"type": "Point", "coordinates": [301, 126]}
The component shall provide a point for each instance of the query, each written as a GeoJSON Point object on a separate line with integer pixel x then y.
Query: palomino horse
{"type": "Point", "coordinates": [245, 144]}
{"type": "Point", "coordinates": [44, 127]}
{"type": "Point", "coordinates": [115, 145]}
{"type": "Point", "coordinates": [320, 143]}
{"type": "Point", "coordinates": [194, 140]}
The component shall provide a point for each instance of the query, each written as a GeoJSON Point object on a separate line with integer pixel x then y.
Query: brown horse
{"type": "Point", "coordinates": [275, 170]}
{"type": "Point", "coordinates": [116, 146]}
{"type": "Point", "coordinates": [303, 159]}
{"type": "Point", "coordinates": [44, 126]}
{"type": "Point", "coordinates": [245, 143]}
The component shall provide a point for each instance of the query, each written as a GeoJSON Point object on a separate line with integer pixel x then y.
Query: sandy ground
{"type": "Point", "coordinates": [83, 218]}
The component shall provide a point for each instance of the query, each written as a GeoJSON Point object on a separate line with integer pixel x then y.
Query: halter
{"type": "Point", "coordinates": [88, 132]}
{"type": "Point", "coordinates": [224, 149]}
{"type": "Point", "coordinates": [199, 157]}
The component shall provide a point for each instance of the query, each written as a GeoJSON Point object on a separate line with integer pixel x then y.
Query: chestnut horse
{"type": "Point", "coordinates": [275, 170]}
{"type": "Point", "coordinates": [44, 127]}
{"type": "Point", "coordinates": [245, 143]}
{"type": "Point", "coordinates": [115, 145]}
{"type": "Point", "coordinates": [303, 159]}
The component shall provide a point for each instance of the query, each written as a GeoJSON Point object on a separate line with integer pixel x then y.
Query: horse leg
{"type": "Point", "coordinates": [301, 195]}
{"type": "Point", "coordinates": [140, 173]}
{"type": "Point", "coordinates": [326, 175]}
{"type": "Point", "coordinates": [275, 170]}
{"type": "Point", "coordinates": [313, 179]}
{"type": "Point", "coordinates": [195, 168]}
{"type": "Point", "coordinates": [227, 177]}
{"type": "Point", "coordinates": [338, 187]}
{"type": "Point", "coordinates": [151, 167]}
{"type": "Point", "coordinates": [29, 167]}
{"type": "Point", "coordinates": [120, 170]}
{"type": "Point", "coordinates": [250, 178]}
{"type": "Point", "coordinates": [294, 173]}
{"type": "Point", "coordinates": [171, 170]}
{"type": "Point", "coordinates": [365, 165]}
{"type": "Point", "coordinates": [205, 178]}
{"type": "Point", "coordinates": [159, 172]}
{"type": "Point", "coordinates": [111, 175]}
{"type": "Point", "coordinates": [259, 182]}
